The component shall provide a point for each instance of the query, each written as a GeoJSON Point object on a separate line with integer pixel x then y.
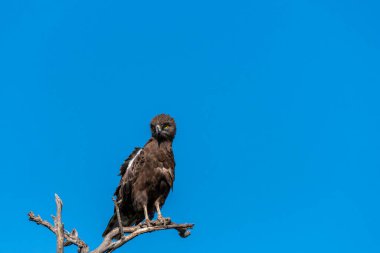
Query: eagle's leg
{"type": "Point", "coordinates": [160, 218]}
{"type": "Point", "coordinates": [159, 215]}
{"type": "Point", "coordinates": [147, 220]}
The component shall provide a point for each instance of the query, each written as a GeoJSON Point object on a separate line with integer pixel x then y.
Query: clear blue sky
{"type": "Point", "coordinates": [277, 106]}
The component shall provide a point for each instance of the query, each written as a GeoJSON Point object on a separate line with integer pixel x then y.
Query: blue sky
{"type": "Point", "coordinates": [276, 102]}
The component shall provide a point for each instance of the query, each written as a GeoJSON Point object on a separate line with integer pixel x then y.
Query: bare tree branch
{"type": "Point", "coordinates": [58, 224]}
{"type": "Point", "coordinates": [118, 217]}
{"type": "Point", "coordinates": [109, 244]}
{"type": "Point", "coordinates": [71, 238]}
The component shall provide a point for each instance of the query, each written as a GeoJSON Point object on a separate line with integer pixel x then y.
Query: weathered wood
{"type": "Point", "coordinates": [118, 217]}
{"type": "Point", "coordinates": [58, 224]}
{"type": "Point", "coordinates": [109, 244]}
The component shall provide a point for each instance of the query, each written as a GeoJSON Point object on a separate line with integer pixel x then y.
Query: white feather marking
{"type": "Point", "coordinates": [167, 172]}
{"type": "Point", "coordinates": [133, 159]}
{"type": "Point", "coordinates": [162, 169]}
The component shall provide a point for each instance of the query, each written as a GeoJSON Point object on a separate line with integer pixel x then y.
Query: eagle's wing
{"type": "Point", "coordinates": [128, 171]}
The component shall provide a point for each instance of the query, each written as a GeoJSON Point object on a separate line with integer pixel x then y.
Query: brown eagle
{"type": "Point", "coordinates": [146, 176]}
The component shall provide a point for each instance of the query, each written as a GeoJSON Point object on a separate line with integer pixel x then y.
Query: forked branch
{"type": "Point", "coordinates": [113, 240]}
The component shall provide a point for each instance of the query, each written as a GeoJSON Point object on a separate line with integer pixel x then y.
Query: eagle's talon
{"type": "Point", "coordinates": [164, 221]}
{"type": "Point", "coordinates": [148, 223]}
{"type": "Point", "coordinates": [161, 220]}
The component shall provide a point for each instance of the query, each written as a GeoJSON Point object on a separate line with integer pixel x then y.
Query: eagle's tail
{"type": "Point", "coordinates": [113, 223]}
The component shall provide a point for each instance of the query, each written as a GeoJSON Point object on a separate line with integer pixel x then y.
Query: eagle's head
{"type": "Point", "coordinates": [163, 127]}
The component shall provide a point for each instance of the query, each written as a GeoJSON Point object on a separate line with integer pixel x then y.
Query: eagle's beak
{"type": "Point", "coordinates": [158, 129]}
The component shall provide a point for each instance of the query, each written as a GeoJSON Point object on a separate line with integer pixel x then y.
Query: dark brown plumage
{"type": "Point", "coordinates": [146, 176]}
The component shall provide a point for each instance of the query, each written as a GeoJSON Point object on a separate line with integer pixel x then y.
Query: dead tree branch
{"type": "Point", "coordinates": [109, 246]}
{"type": "Point", "coordinates": [113, 240]}
{"type": "Point", "coordinates": [118, 217]}
{"type": "Point", "coordinates": [58, 224]}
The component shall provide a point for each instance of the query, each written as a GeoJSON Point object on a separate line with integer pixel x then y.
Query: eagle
{"type": "Point", "coordinates": [147, 176]}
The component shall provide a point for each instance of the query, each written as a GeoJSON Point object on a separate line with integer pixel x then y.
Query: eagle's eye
{"type": "Point", "coordinates": [166, 126]}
